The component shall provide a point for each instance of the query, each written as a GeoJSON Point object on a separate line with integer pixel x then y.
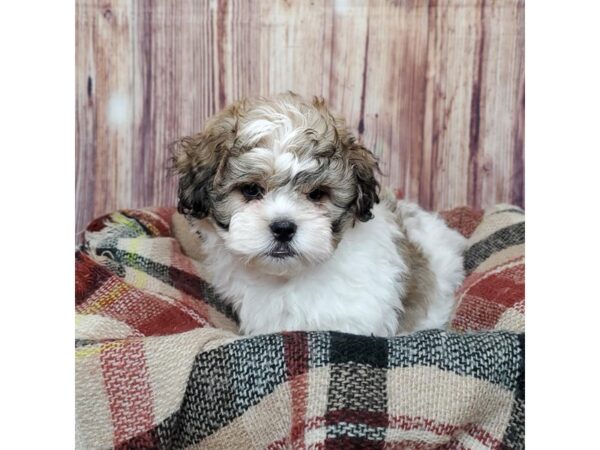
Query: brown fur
{"type": "Point", "coordinates": [419, 281]}
{"type": "Point", "coordinates": [346, 167]}
{"type": "Point", "coordinates": [420, 285]}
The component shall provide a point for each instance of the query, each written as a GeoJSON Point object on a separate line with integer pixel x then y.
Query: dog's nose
{"type": "Point", "coordinates": [283, 230]}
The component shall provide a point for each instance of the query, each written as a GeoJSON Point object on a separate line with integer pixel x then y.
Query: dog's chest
{"type": "Point", "coordinates": [358, 290]}
{"type": "Point", "coordinates": [363, 301]}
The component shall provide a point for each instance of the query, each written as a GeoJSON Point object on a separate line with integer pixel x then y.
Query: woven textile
{"type": "Point", "coordinates": [159, 362]}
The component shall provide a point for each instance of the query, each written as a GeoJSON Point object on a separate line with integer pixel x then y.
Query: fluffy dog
{"type": "Point", "coordinates": [287, 217]}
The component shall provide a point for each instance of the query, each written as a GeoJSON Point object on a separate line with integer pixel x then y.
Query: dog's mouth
{"type": "Point", "coordinates": [281, 251]}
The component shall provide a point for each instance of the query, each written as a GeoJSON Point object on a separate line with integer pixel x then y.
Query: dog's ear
{"type": "Point", "coordinates": [361, 161]}
{"type": "Point", "coordinates": [364, 166]}
{"type": "Point", "coordinates": [198, 160]}
{"type": "Point", "coordinates": [195, 162]}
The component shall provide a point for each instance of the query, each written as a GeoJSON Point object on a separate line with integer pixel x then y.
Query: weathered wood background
{"type": "Point", "coordinates": [434, 88]}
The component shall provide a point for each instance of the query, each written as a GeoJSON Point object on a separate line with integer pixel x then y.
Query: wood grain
{"type": "Point", "coordinates": [435, 88]}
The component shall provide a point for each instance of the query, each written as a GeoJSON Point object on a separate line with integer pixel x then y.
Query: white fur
{"type": "Point", "coordinates": [249, 235]}
{"type": "Point", "coordinates": [356, 290]}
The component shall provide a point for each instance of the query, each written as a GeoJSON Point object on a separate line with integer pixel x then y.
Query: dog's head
{"type": "Point", "coordinates": [281, 179]}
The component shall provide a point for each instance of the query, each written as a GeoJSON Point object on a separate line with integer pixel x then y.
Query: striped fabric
{"type": "Point", "coordinates": [160, 364]}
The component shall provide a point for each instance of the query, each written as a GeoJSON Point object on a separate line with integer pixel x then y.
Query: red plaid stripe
{"type": "Point", "coordinates": [127, 384]}
{"type": "Point", "coordinates": [485, 296]}
{"type": "Point", "coordinates": [108, 295]}
{"type": "Point", "coordinates": [296, 358]}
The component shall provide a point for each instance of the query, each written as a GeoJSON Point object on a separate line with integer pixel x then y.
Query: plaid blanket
{"type": "Point", "coordinates": [159, 362]}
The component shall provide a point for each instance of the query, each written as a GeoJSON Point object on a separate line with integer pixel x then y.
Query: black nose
{"type": "Point", "coordinates": [283, 230]}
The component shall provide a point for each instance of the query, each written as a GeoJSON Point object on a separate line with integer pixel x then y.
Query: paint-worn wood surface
{"type": "Point", "coordinates": [434, 88]}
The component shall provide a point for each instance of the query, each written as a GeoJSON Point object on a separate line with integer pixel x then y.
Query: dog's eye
{"type": "Point", "coordinates": [316, 194]}
{"type": "Point", "coordinates": [251, 191]}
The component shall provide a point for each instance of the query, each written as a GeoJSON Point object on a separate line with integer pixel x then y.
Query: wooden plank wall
{"type": "Point", "coordinates": [434, 88]}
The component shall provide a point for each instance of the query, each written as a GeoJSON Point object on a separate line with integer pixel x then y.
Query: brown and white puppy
{"type": "Point", "coordinates": [292, 232]}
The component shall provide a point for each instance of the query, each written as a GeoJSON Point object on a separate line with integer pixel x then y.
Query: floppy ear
{"type": "Point", "coordinates": [361, 161]}
{"type": "Point", "coordinates": [197, 160]}
{"type": "Point", "coordinates": [195, 163]}
{"type": "Point", "coordinates": [364, 166]}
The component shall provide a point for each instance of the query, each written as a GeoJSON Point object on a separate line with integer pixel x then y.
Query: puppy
{"type": "Point", "coordinates": [289, 223]}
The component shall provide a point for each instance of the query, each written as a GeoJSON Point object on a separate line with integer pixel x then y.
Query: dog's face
{"type": "Point", "coordinates": [281, 179]}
